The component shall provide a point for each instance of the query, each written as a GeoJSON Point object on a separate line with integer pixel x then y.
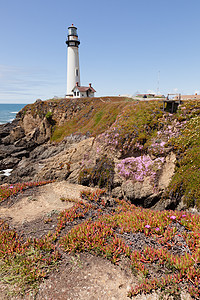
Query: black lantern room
{"type": "Point", "coordinates": [72, 38]}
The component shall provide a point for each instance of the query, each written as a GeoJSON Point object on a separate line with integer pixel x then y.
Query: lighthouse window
{"type": "Point", "coordinates": [72, 31]}
{"type": "Point", "coordinates": [76, 72]}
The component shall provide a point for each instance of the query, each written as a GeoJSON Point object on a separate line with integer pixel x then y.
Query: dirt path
{"type": "Point", "coordinates": [87, 277]}
{"type": "Point", "coordinates": [37, 202]}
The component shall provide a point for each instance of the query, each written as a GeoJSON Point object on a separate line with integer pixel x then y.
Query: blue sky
{"type": "Point", "coordinates": [125, 47]}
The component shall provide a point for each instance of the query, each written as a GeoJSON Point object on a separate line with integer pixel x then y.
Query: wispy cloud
{"type": "Point", "coordinates": [27, 83]}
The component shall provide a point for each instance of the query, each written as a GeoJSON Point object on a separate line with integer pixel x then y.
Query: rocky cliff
{"type": "Point", "coordinates": [131, 148]}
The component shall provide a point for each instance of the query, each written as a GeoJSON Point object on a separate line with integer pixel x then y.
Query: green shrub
{"type": "Point", "coordinates": [186, 180]}
{"type": "Point", "coordinates": [100, 175]}
{"type": "Point", "coordinates": [49, 115]}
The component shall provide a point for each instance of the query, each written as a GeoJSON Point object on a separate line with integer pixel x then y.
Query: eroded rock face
{"type": "Point", "coordinates": [147, 192]}
{"type": "Point", "coordinates": [19, 138]}
{"type": "Point", "coordinates": [39, 160]}
{"type": "Point", "coordinates": [67, 163]}
{"type": "Point", "coordinates": [167, 171]}
{"type": "Point", "coordinates": [25, 147]}
{"type": "Point", "coordinates": [136, 191]}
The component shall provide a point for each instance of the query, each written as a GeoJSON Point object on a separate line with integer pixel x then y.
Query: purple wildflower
{"type": "Point", "coordinates": [147, 226]}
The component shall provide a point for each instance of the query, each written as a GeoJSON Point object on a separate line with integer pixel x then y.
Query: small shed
{"type": "Point", "coordinates": [83, 91]}
{"type": "Point", "coordinates": [171, 102]}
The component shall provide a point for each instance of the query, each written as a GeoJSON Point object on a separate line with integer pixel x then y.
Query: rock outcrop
{"type": "Point", "coordinates": [112, 159]}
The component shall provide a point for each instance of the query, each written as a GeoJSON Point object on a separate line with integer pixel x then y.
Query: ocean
{"type": "Point", "coordinates": [9, 111]}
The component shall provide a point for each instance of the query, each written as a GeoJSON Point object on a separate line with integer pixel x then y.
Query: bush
{"type": "Point", "coordinates": [49, 118]}
{"type": "Point", "coordinates": [186, 180]}
{"type": "Point", "coordinates": [100, 175]}
{"type": "Point", "coordinates": [49, 115]}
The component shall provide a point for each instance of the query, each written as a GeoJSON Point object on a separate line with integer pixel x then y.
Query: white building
{"type": "Point", "coordinates": [74, 88]}
{"type": "Point", "coordinates": [83, 91]}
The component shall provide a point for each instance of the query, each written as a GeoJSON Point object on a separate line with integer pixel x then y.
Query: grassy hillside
{"type": "Point", "coordinates": [95, 116]}
{"type": "Point", "coordinates": [134, 128]}
{"type": "Point", "coordinates": [131, 120]}
{"type": "Point", "coordinates": [186, 181]}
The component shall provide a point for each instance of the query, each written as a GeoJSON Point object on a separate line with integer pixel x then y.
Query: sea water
{"type": "Point", "coordinates": [9, 111]}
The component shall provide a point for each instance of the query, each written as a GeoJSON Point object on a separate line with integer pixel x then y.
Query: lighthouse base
{"type": "Point", "coordinates": [69, 96]}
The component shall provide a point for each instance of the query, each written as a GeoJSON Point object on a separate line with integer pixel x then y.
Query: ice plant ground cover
{"type": "Point", "coordinates": [24, 263]}
{"type": "Point", "coordinates": [168, 260]}
{"type": "Point", "coordinates": [12, 189]}
{"type": "Point", "coordinates": [174, 259]}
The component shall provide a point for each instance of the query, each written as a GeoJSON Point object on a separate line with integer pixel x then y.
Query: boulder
{"type": "Point", "coordinates": [7, 150]}
{"type": "Point", "coordinates": [5, 129]}
{"type": "Point", "coordinates": [16, 134]}
{"type": "Point", "coordinates": [117, 192]}
{"type": "Point", "coordinates": [21, 154]}
{"type": "Point", "coordinates": [9, 162]}
{"type": "Point", "coordinates": [136, 192]}
{"type": "Point", "coordinates": [29, 122]}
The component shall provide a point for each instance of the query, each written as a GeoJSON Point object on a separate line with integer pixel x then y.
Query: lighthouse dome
{"type": "Point", "coordinates": [72, 38]}
{"type": "Point", "coordinates": [72, 30]}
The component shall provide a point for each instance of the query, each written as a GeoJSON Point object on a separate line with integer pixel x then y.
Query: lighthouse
{"type": "Point", "coordinates": [74, 88]}
{"type": "Point", "coordinates": [73, 70]}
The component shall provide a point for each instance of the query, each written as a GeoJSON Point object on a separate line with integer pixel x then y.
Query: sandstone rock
{"type": "Point", "coordinates": [9, 162]}
{"type": "Point", "coordinates": [181, 205]}
{"type": "Point", "coordinates": [5, 129]}
{"type": "Point", "coordinates": [117, 192]}
{"type": "Point", "coordinates": [25, 143]}
{"type": "Point", "coordinates": [167, 171]}
{"type": "Point", "coordinates": [137, 190]}
{"type": "Point", "coordinates": [163, 204]}
{"type": "Point", "coordinates": [21, 154]}
{"type": "Point", "coordinates": [6, 150]}
{"type": "Point", "coordinates": [6, 140]}
{"type": "Point", "coordinates": [16, 134]}
{"type": "Point", "coordinates": [44, 132]}
{"type": "Point", "coordinates": [73, 177]}
{"type": "Point", "coordinates": [70, 159]}
{"type": "Point", "coordinates": [29, 123]}
{"type": "Point", "coordinates": [21, 174]}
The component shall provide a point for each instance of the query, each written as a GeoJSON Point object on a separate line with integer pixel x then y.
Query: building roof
{"type": "Point", "coordinates": [84, 88]}
{"type": "Point", "coordinates": [187, 97]}
{"type": "Point", "coordinates": [190, 97]}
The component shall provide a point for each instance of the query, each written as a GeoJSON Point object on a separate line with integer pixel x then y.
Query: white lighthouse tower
{"type": "Point", "coordinates": [73, 70]}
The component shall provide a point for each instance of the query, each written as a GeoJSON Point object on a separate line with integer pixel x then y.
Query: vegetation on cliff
{"type": "Point", "coordinates": [139, 131]}
{"type": "Point", "coordinates": [186, 180]}
{"type": "Point", "coordinates": [101, 175]}
{"type": "Point", "coordinates": [162, 248]}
